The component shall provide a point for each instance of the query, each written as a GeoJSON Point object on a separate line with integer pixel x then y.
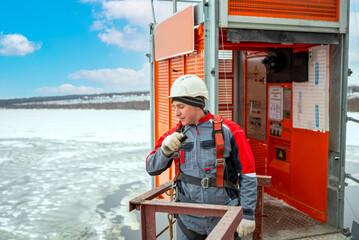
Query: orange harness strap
{"type": "Point", "coordinates": [218, 137]}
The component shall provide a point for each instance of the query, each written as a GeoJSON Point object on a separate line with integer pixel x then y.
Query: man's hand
{"type": "Point", "coordinates": [171, 143]}
{"type": "Point", "coordinates": [246, 227]}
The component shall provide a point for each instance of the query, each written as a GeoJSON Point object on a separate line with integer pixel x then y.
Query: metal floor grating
{"type": "Point", "coordinates": [282, 221]}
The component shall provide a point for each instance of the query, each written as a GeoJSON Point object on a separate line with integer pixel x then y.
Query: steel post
{"type": "Point", "coordinates": [152, 84]}
{"type": "Point", "coordinates": [211, 53]}
{"type": "Point", "coordinates": [148, 222]}
{"type": "Point", "coordinates": [343, 126]}
{"type": "Point", "coordinates": [263, 181]}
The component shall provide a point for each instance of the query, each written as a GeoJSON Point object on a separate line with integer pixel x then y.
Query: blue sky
{"type": "Point", "coordinates": [86, 46]}
{"type": "Point", "coordinates": [73, 47]}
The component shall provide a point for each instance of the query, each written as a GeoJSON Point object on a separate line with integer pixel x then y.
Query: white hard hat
{"type": "Point", "coordinates": [189, 86]}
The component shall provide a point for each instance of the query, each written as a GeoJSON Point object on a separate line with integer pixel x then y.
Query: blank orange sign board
{"type": "Point", "coordinates": [175, 36]}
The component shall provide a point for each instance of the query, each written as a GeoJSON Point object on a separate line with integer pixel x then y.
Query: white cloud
{"type": "Point", "coordinates": [136, 12]}
{"type": "Point", "coordinates": [129, 38]}
{"type": "Point", "coordinates": [119, 79]}
{"type": "Point", "coordinates": [98, 25]}
{"type": "Point", "coordinates": [68, 89]}
{"type": "Point", "coordinates": [137, 15]}
{"type": "Point", "coordinates": [17, 45]}
{"type": "Point", "coordinates": [90, 1]}
{"type": "Point", "coordinates": [139, 12]}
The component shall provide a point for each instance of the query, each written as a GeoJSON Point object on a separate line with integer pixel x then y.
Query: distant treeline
{"type": "Point", "coordinates": [35, 102]}
{"type": "Point", "coordinates": [353, 105]}
{"type": "Point", "coordinates": [135, 105]}
{"type": "Point", "coordinates": [40, 102]}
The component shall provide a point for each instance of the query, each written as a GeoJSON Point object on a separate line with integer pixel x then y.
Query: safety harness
{"type": "Point", "coordinates": [204, 182]}
{"type": "Point", "coordinates": [208, 182]}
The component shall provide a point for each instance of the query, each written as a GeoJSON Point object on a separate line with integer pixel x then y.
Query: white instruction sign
{"type": "Point", "coordinates": [311, 98]}
{"type": "Point", "coordinates": [275, 103]}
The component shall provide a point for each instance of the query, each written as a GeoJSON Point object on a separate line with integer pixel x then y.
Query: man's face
{"type": "Point", "coordinates": [187, 114]}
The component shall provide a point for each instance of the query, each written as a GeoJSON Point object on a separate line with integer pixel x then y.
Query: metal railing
{"type": "Point", "coordinates": [352, 119]}
{"type": "Point", "coordinates": [348, 175]}
{"type": "Point", "coordinates": [231, 216]}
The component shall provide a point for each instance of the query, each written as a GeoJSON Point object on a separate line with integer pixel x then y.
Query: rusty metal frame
{"type": "Point", "coordinates": [231, 215]}
{"type": "Point", "coordinates": [263, 181]}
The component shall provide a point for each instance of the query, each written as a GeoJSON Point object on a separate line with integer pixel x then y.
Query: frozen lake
{"type": "Point", "coordinates": [69, 174]}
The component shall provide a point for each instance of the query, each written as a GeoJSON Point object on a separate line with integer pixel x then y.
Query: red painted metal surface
{"type": "Point", "coordinates": [263, 181]}
{"type": "Point", "coordinates": [136, 202]}
{"type": "Point", "coordinates": [231, 215]}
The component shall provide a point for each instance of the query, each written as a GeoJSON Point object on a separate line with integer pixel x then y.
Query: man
{"type": "Point", "coordinates": [200, 168]}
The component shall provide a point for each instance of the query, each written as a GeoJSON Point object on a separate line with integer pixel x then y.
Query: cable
{"type": "Point", "coordinates": [356, 22]}
{"type": "Point", "coordinates": [153, 13]}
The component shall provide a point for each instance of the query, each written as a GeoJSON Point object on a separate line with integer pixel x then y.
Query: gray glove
{"type": "Point", "coordinates": [171, 143]}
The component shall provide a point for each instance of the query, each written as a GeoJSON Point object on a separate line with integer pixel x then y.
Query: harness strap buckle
{"type": "Point", "coordinates": [220, 121]}
{"type": "Point", "coordinates": [173, 191]}
{"type": "Point", "coordinates": [219, 161]}
{"type": "Point", "coordinates": [205, 182]}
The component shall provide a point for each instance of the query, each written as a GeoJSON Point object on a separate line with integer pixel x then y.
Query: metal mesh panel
{"type": "Point", "coordinates": [227, 114]}
{"type": "Point", "coordinates": [225, 91]}
{"type": "Point", "coordinates": [323, 10]}
{"type": "Point", "coordinates": [195, 64]}
{"type": "Point", "coordinates": [259, 150]}
{"type": "Point", "coordinates": [177, 70]}
{"type": "Point", "coordinates": [163, 91]}
{"type": "Point", "coordinates": [225, 66]}
{"type": "Point", "coordinates": [225, 84]}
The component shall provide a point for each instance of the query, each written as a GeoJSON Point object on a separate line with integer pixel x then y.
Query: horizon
{"type": "Point", "coordinates": [84, 94]}
{"type": "Point", "coordinates": [90, 46]}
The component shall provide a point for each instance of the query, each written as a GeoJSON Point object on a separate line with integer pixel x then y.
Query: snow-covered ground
{"type": "Point", "coordinates": [69, 174]}
{"type": "Point", "coordinates": [351, 204]}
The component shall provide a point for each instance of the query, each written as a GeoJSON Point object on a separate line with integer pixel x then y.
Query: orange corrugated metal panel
{"type": "Point", "coordinates": [322, 10]}
{"type": "Point", "coordinates": [177, 70]}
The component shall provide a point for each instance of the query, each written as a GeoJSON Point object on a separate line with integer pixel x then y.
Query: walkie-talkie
{"type": "Point", "coordinates": [184, 136]}
{"type": "Point", "coordinates": [182, 139]}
